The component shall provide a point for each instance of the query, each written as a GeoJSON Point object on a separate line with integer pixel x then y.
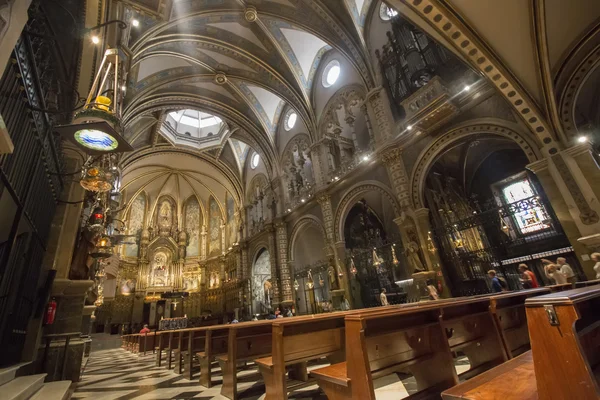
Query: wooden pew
{"type": "Point", "coordinates": [146, 342]}
{"type": "Point", "coordinates": [564, 328]}
{"type": "Point", "coordinates": [419, 339]}
{"type": "Point", "coordinates": [379, 343]}
{"type": "Point", "coordinates": [246, 341]}
{"type": "Point", "coordinates": [587, 283]}
{"type": "Point", "coordinates": [512, 380]}
{"type": "Point", "coordinates": [508, 310]}
{"type": "Point", "coordinates": [215, 343]}
{"type": "Point", "coordinates": [296, 341]}
{"type": "Point", "coordinates": [162, 341]}
{"type": "Point", "coordinates": [560, 287]}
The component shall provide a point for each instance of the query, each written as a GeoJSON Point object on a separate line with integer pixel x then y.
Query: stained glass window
{"type": "Point", "coordinates": [530, 215]}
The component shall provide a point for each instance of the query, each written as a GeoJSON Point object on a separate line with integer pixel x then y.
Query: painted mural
{"type": "Point", "coordinates": [166, 215]}
{"type": "Point", "coordinates": [192, 227]}
{"type": "Point", "coordinates": [214, 244]}
{"type": "Point", "coordinates": [232, 226]}
{"type": "Point", "coordinates": [136, 223]}
{"type": "Point", "coordinates": [261, 282]}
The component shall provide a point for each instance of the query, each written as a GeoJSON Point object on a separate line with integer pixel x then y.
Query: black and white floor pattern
{"type": "Point", "coordinates": [117, 374]}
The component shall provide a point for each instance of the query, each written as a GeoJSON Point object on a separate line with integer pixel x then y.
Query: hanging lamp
{"type": "Point", "coordinates": [97, 128]}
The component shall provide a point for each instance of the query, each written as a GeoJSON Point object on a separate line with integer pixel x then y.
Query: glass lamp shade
{"type": "Point", "coordinates": [95, 139]}
{"type": "Point", "coordinates": [97, 179]}
{"type": "Point", "coordinates": [103, 248]}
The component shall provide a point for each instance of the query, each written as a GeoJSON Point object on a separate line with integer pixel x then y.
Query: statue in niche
{"type": "Point", "coordinates": [333, 283]}
{"type": "Point", "coordinates": [214, 280]}
{"type": "Point", "coordinates": [268, 288]}
{"type": "Point", "coordinates": [413, 251]}
{"type": "Point", "coordinates": [160, 273]}
{"type": "Point", "coordinates": [330, 161]}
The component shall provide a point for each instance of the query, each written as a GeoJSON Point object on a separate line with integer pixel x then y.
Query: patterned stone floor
{"type": "Point", "coordinates": [117, 374]}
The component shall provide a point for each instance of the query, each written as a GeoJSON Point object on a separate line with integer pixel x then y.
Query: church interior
{"type": "Point", "coordinates": [300, 199]}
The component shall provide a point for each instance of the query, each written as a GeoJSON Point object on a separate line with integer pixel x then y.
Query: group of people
{"type": "Point", "coordinates": [559, 273]}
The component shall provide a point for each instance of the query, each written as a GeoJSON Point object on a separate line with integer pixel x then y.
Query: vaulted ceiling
{"type": "Point", "coordinates": [248, 62]}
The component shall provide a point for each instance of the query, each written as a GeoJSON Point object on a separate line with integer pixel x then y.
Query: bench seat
{"type": "Point", "coordinates": [335, 373]}
{"type": "Point", "coordinates": [512, 380]}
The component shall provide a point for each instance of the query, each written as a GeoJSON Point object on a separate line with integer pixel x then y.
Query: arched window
{"type": "Point", "coordinates": [290, 120]}
{"type": "Point", "coordinates": [254, 161]}
{"type": "Point", "coordinates": [331, 73]}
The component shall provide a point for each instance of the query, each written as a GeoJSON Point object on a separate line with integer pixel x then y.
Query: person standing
{"type": "Point", "coordinates": [552, 272]}
{"type": "Point", "coordinates": [496, 286]}
{"type": "Point", "coordinates": [596, 257]}
{"type": "Point", "coordinates": [566, 270]}
{"type": "Point", "coordinates": [145, 329]}
{"type": "Point", "coordinates": [383, 298]}
{"type": "Point", "coordinates": [528, 278]}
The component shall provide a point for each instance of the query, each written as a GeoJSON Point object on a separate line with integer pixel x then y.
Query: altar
{"type": "Point", "coordinates": [172, 323]}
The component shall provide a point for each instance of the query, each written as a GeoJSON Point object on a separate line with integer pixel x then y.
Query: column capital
{"type": "Point", "coordinates": [324, 198]}
{"type": "Point", "coordinates": [392, 155]}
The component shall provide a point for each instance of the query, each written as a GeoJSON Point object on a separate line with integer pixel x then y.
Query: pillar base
{"type": "Point", "coordinates": [337, 297]}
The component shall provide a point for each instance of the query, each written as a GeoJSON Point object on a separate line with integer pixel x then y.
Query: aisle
{"type": "Point", "coordinates": [117, 374]}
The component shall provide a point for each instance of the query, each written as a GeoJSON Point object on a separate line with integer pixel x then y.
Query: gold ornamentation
{"type": "Point", "coordinates": [250, 14]}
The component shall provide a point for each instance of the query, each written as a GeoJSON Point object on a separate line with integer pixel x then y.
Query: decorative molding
{"type": "Point", "coordinates": [307, 220]}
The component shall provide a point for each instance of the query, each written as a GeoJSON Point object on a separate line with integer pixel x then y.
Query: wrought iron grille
{"type": "Point", "coordinates": [501, 244]}
{"type": "Point", "coordinates": [30, 181]}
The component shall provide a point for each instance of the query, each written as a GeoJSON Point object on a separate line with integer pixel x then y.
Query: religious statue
{"type": "Point", "coordinates": [412, 254]}
{"type": "Point", "coordinates": [268, 287]}
{"type": "Point", "coordinates": [333, 283]}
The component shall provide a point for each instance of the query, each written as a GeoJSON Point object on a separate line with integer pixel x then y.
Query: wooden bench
{"type": "Point", "coordinates": [162, 342]}
{"type": "Point", "coordinates": [296, 341]}
{"type": "Point", "coordinates": [246, 341]}
{"type": "Point", "coordinates": [419, 339]}
{"type": "Point", "coordinates": [508, 310]}
{"type": "Point", "coordinates": [512, 380]}
{"type": "Point", "coordinates": [215, 343]}
{"type": "Point", "coordinates": [379, 343]}
{"type": "Point", "coordinates": [587, 283]}
{"type": "Point", "coordinates": [564, 328]}
{"type": "Point", "coordinates": [560, 287]}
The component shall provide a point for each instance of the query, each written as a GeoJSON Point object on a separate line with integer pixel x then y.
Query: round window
{"type": "Point", "coordinates": [255, 160]}
{"type": "Point", "coordinates": [290, 120]}
{"type": "Point", "coordinates": [331, 73]}
{"type": "Point", "coordinates": [386, 13]}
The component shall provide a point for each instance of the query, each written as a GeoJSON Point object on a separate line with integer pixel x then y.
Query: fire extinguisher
{"type": "Point", "coordinates": [50, 312]}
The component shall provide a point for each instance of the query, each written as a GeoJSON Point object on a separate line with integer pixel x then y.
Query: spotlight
{"type": "Point", "coordinates": [408, 128]}
{"type": "Point", "coordinates": [302, 200]}
{"type": "Point", "coordinates": [289, 210]}
{"type": "Point", "coordinates": [366, 158]}
{"type": "Point", "coordinates": [123, 88]}
{"type": "Point", "coordinates": [466, 88]}
{"type": "Point", "coordinates": [95, 39]}
{"type": "Point", "coordinates": [336, 178]}
{"type": "Point", "coordinates": [135, 23]}
{"type": "Point", "coordinates": [582, 139]}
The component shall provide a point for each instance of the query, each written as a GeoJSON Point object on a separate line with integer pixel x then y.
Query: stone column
{"type": "Point", "coordinates": [338, 252]}
{"type": "Point", "coordinates": [273, 259]}
{"type": "Point", "coordinates": [287, 297]}
{"type": "Point", "coordinates": [363, 109]}
{"type": "Point", "coordinates": [394, 164]}
{"type": "Point", "coordinates": [379, 111]}
{"type": "Point", "coordinates": [143, 263]}
{"type": "Point", "coordinates": [203, 241]}
{"type": "Point", "coordinates": [319, 164]}
{"type": "Point", "coordinates": [570, 180]}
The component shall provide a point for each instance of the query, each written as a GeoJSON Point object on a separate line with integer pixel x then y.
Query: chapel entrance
{"type": "Point", "coordinates": [489, 212]}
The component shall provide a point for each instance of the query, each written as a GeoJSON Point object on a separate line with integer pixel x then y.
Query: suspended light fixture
{"type": "Point", "coordinates": [430, 245]}
{"type": "Point", "coordinates": [96, 129]}
{"type": "Point", "coordinates": [296, 284]}
{"type": "Point", "coordinates": [103, 248]}
{"type": "Point", "coordinates": [97, 179]}
{"type": "Point", "coordinates": [376, 260]}
{"type": "Point", "coordinates": [321, 281]}
{"type": "Point", "coordinates": [353, 269]}
{"type": "Point", "coordinates": [309, 283]}
{"type": "Point", "coordinates": [394, 258]}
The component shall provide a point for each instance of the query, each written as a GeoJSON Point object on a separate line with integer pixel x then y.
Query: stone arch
{"type": "Point", "coordinates": [307, 220]}
{"type": "Point", "coordinates": [483, 126]}
{"type": "Point", "coordinates": [353, 194]}
{"type": "Point", "coordinates": [452, 27]}
{"type": "Point", "coordinates": [259, 179]}
{"type": "Point", "coordinates": [583, 61]}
